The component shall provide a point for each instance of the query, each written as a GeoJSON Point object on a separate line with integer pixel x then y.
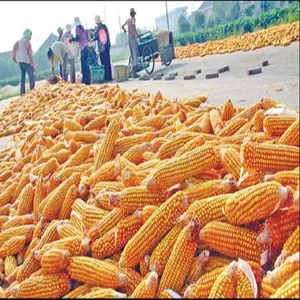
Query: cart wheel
{"type": "Point", "coordinates": [168, 63]}
{"type": "Point", "coordinates": [148, 59]}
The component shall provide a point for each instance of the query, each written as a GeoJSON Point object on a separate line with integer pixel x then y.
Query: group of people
{"type": "Point", "coordinates": [66, 48]}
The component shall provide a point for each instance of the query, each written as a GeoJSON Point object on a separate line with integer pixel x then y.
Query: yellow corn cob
{"type": "Point", "coordinates": [106, 224]}
{"type": "Point", "coordinates": [68, 230]}
{"type": "Point", "coordinates": [256, 123]}
{"type": "Point", "coordinates": [153, 230]}
{"type": "Point", "coordinates": [232, 127]}
{"type": "Point", "coordinates": [267, 157]}
{"type": "Point", "coordinates": [124, 144]}
{"type": "Point", "coordinates": [109, 186]}
{"type": "Point", "coordinates": [290, 247]}
{"type": "Point", "coordinates": [55, 260]}
{"type": "Point", "coordinates": [136, 130]}
{"type": "Point", "coordinates": [144, 265]}
{"type": "Point", "coordinates": [291, 135]}
{"type": "Point", "coordinates": [7, 293]}
{"type": "Point", "coordinates": [216, 121]}
{"type": "Point", "coordinates": [3, 220]}
{"type": "Point", "coordinates": [181, 259]}
{"type": "Point", "coordinates": [208, 189]}
{"type": "Point", "coordinates": [138, 113]}
{"type": "Point", "coordinates": [290, 289]}
{"type": "Point", "coordinates": [95, 272]}
{"type": "Point", "coordinates": [148, 210]}
{"type": "Point", "coordinates": [49, 167]}
{"type": "Point", "coordinates": [154, 121]}
{"type": "Point", "coordinates": [130, 178]}
{"type": "Point", "coordinates": [135, 153]}
{"type": "Point", "coordinates": [96, 123]}
{"type": "Point", "coordinates": [162, 252]}
{"type": "Point", "coordinates": [93, 215]}
{"type": "Point", "coordinates": [147, 288]}
{"type": "Point", "coordinates": [23, 230]}
{"type": "Point", "coordinates": [249, 112]}
{"type": "Point", "coordinates": [169, 148]}
{"type": "Point", "coordinates": [17, 221]}
{"type": "Point", "coordinates": [22, 182]}
{"type": "Point", "coordinates": [50, 131]}
{"type": "Point", "coordinates": [39, 195]}
{"type": "Point", "coordinates": [71, 125]}
{"type": "Point", "coordinates": [82, 136]}
{"type": "Point", "coordinates": [202, 288]}
{"type": "Point", "coordinates": [50, 186]}
{"type": "Point", "coordinates": [25, 200]}
{"type": "Point", "coordinates": [116, 238]}
{"type": "Point", "coordinates": [61, 156]}
{"type": "Point", "coordinates": [10, 264]}
{"type": "Point", "coordinates": [198, 267]}
{"type": "Point", "coordinates": [55, 199]}
{"type": "Point", "coordinates": [133, 198]}
{"type": "Point", "coordinates": [78, 292]}
{"type": "Point", "coordinates": [76, 221]}
{"type": "Point", "coordinates": [57, 147]}
{"type": "Point", "coordinates": [13, 246]}
{"type": "Point", "coordinates": [244, 129]}
{"type": "Point", "coordinates": [180, 168]}
{"type": "Point", "coordinates": [4, 175]}
{"type": "Point", "coordinates": [224, 286]}
{"type": "Point", "coordinates": [277, 125]}
{"type": "Point", "coordinates": [205, 124]}
{"type": "Point", "coordinates": [107, 172]}
{"type": "Point", "coordinates": [70, 198]}
{"type": "Point", "coordinates": [268, 103]}
{"type": "Point", "coordinates": [98, 293]}
{"type": "Point", "coordinates": [227, 111]}
{"type": "Point", "coordinates": [44, 286]}
{"type": "Point", "coordinates": [243, 241]}
{"type": "Point", "coordinates": [286, 178]}
{"type": "Point", "coordinates": [81, 155]}
{"type": "Point", "coordinates": [72, 145]}
{"type": "Point", "coordinates": [107, 145]}
{"type": "Point", "coordinates": [191, 145]}
{"type": "Point", "coordinates": [67, 172]}
{"type": "Point", "coordinates": [206, 210]}
{"type": "Point", "coordinates": [31, 247]}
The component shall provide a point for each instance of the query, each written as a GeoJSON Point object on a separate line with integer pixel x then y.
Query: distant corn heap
{"type": "Point", "coordinates": [108, 193]}
{"type": "Point", "coordinates": [281, 35]}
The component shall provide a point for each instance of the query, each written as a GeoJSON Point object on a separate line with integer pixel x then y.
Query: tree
{"type": "Point", "coordinates": [199, 20]}
{"type": "Point", "coordinates": [249, 10]}
{"type": "Point", "coordinates": [183, 25]}
{"type": "Point", "coordinates": [211, 22]}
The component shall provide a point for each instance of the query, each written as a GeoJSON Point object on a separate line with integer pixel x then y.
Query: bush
{"type": "Point", "coordinates": [240, 26]}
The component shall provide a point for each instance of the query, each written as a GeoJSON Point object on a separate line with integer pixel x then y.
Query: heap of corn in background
{"type": "Point", "coordinates": [281, 35]}
{"type": "Point", "coordinates": [113, 193]}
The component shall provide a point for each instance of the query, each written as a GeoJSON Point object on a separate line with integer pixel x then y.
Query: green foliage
{"type": "Point", "coordinates": [249, 10]}
{"type": "Point", "coordinates": [199, 20]}
{"type": "Point", "coordinates": [183, 25]}
{"type": "Point", "coordinates": [240, 26]}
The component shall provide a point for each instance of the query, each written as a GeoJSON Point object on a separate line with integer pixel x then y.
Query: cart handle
{"type": "Point", "coordinates": [145, 33]}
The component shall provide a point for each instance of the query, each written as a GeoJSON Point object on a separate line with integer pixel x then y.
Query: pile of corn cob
{"type": "Point", "coordinates": [281, 35]}
{"type": "Point", "coordinates": [113, 193]}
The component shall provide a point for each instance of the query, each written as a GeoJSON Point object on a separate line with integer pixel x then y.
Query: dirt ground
{"type": "Point", "coordinates": [279, 80]}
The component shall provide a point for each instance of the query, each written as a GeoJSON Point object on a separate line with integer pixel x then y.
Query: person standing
{"type": "Point", "coordinates": [22, 54]}
{"type": "Point", "coordinates": [132, 41]}
{"type": "Point", "coordinates": [101, 35]}
{"type": "Point", "coordinates": [81, 37]}
{"type": "Point", "coordinates": [60, 34]}
{"type": "Point", "coordinates": [58, 53]}
{"type": "Point", "coordinates": [71, 50]}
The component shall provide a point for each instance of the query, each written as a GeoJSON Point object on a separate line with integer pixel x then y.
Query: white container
{"type": "Point", "coordinates": [121, 73]}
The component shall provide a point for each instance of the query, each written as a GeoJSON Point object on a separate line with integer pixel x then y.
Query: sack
{"type": "Point", "coordinates": [102, 40]}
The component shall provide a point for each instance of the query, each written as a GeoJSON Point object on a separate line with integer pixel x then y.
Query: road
{"type": "Point", "coordinates": [279, 80]}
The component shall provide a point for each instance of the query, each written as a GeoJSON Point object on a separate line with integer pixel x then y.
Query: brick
{"type": "Point", "coordinates": [224, 69]}
{"type": "Point", "coordinates": [170, 77]}
{"type": "Point", "coordinates": [254, 71]}
{"type": "Point", "coordinates": [265, 63]}
{"type": "Point", "coordinates": [197, 71]}
{"type": "Point", "coordinates": [188, 77]}
{"type": "Point", "coordinates": [213, 75]}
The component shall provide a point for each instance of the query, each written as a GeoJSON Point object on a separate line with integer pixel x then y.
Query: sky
{"type": "Point", "coordinates": [44, 17]}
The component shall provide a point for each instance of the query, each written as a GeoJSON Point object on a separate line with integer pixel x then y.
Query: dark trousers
{"type": "Point", "coordinates": [65, 60]}
{"type": "Point", "coordinates": [26, 68]}
{"type": "Point", "coordinates": [85, 70]}
{"type": "Point", "coordinates": [105, 61]}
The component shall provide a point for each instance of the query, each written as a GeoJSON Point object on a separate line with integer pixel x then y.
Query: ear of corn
{"type": "Point", "coordinates": [291, 135]}
{"type": "Point", "coordinates": [277, 125]}
{"type": "Point", "coordinates": [55, 260]}
{"type": "Point", "coordinates": [147, 288]}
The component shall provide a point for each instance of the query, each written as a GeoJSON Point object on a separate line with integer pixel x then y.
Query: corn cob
{"type": "Point", "coordinates": [227, 111]}
{"type": "Point", "coordinates": [109, 186]}
{"type": "Point", "coordinates": [107, 223]}
{"type": "Point", "coordinates": [67, 172]}
{"type": "Point", "coordinates": [130, 178]}
{"type": "Point", "coordinates": [71, 125]}
{"type": "Point", "coordinates": [10, 264]}
{"type": "Point", "coordinates": [152, 231]}
{"type": "Point", "coordinates": [243, 241]}
{"type": "Point", "coordinates": [144, 265]}
{"type": "Point", "coordinates": [133, 198]}
{"type": "Point", "coordinates": [291, 135]}
{"type": "Point", "coordinates": [286, 178]}
{"type": "Point", "coordinates": [68, 230]}
{"type": "Point", "coordinates": [82, 136]}
{"type": "Point", "coordinates": [198, 267]}
{"type": "Point", "coordinates": [206, 210]}
{"type": "Point", "coordinates": [49, 167]}
{"type": "Point", "coordinates": [224, 286]}
{"type": "Point", "coordinates": [135, 153]}
{"type": "Point", "coordinates": [78, 292]}
{"type": "Point", "coordinates": [216, 121]}
{"type": "Point", "coordinates": [232, 127]}
{"type": "Point", "coordinates": [191, 145]}
{"type": "Point", "coordinates": [55, 199]}
{"type": "Point", "coordinates": [25, 200]}
{"type": "Point", "coordinates": [7, 194]}
{"type": "Point", "coordinates": [56, 147]}
{"type": "Point", "coordinates": [81, 155]}
{"type": "Point", "coordinates": [76, 221]}
{"type": "Point", "coordinates": [277, 125]}
{"type": "Point", "coordinates": [24, 230]}
{"type": "Point", "coordinates": [98, 293]}
{"type": "Point", "coordinates": [5, 175]}
{"type": "Point", "coordinates": [202, 288]}
{"type": "Point", "coordinates": [66, 209]}
{"type": "Point", "coordinates": [31, 247]}
{"type": "Point", "coordinates": [61, 156]}
{"type": "Point", "coordinates": [181, 259]}
{"type": "Point", "coordinates": [96, 123]}
{"type": "Point", "coordinates": [241, 207]}
{"type": "Point", "coordinates": [13, 246]}
{"type": "Point", "coordinates": [147, 288]}
{"type": "Point", "coordinates": [45, 286]}
{"type": "Point", "coordinates": [272, 158]}
{"type": "Point", "coordinates": [17, 221]}
{"type": "Point", "coordinates": [148, 210]}
{"type": "Point", "coordinates": [290, 247]}
{"type": "Point", "coordinates": [107, 172]}
{"type": "Point", "coordinates": [3, 220]}
{"type": "Point", "coordinates": [155, 121]}
{"type": "Point", "coordinates": [55, 260]}
{"type": "Point", "coordinates": [95, 272]}
{"type": "Point", "coordinates": [290, 289]}
{"type": "Point", "coordinates": [178, 169]}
